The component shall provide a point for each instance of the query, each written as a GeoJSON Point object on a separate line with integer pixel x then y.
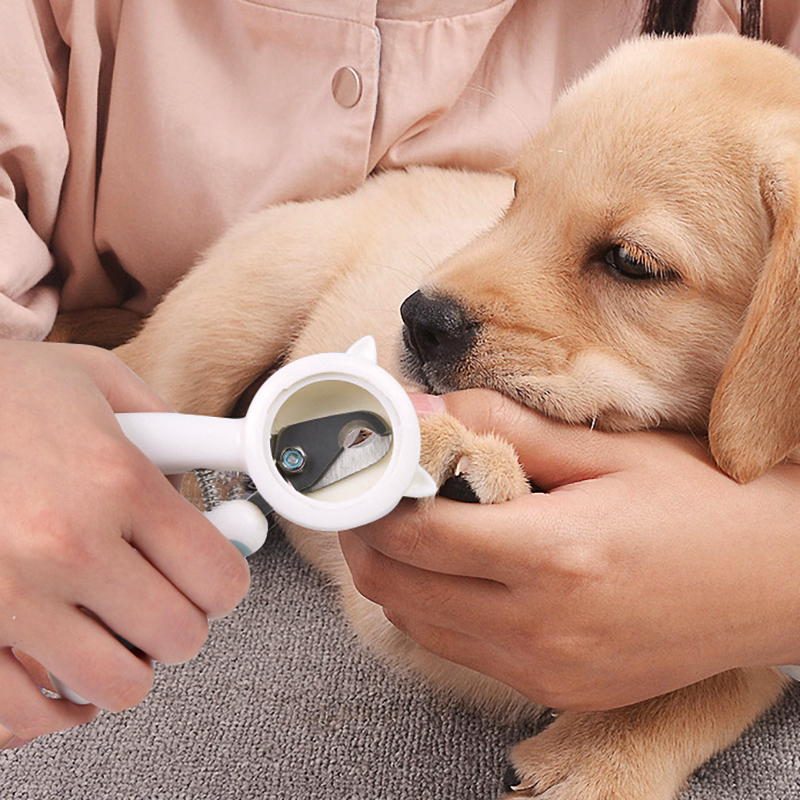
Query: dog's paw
{"type": "Point", "coordinates": [591, 757]}
{"type": "Point", "coordinates": [485, 467]}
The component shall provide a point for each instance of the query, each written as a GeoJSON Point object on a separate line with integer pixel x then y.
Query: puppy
{"type": "Point", "coordinates": [637, 269]}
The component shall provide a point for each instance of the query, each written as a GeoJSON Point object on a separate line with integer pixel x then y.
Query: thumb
{"type": "Point", "coordinates": [552, 453]}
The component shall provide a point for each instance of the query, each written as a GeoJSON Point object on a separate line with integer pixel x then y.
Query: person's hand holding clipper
{"type": "Point", "coordinates": [93, 539]}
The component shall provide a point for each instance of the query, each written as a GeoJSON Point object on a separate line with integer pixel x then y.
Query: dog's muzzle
{"type": "Point", "coordinates": [438, 333]}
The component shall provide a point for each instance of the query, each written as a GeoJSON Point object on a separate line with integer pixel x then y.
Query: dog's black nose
{"type": "Point", "coordinates": [438, 330]}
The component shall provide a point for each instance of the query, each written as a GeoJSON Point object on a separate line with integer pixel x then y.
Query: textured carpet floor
{"type": "Point", "coordinates": [282, 703]}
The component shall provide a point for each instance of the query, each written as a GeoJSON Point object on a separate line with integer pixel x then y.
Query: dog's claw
{"type": "Point", "coordinates": [511, 781]}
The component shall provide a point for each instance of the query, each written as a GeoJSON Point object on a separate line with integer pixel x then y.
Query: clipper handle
{"type": "Point", "coordinates": [182, 442]}
{"type": "Point", "coordinates": [178, 443]}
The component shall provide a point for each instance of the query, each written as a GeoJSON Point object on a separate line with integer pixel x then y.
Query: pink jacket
{"type": "Point", "coordinates": [132, 134]}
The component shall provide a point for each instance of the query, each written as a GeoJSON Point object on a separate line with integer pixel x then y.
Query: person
{"type": "Point", "coordinates": [132, 135]}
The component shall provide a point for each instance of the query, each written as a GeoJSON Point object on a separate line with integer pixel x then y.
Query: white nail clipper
{"type": "Point", "coordinates": [330, 441]}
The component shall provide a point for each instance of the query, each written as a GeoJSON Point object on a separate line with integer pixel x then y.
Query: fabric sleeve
{"type": "Point", "coordinates": [33, 162]}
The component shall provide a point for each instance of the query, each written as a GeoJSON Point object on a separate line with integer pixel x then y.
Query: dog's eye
{"type": "Point", "coordinates": [630, 264]}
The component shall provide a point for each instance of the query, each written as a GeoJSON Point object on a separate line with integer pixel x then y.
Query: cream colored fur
{"type": "Point", "coordinates": [684, 152]}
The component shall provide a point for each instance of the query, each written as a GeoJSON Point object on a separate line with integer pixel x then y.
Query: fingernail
{"type": "Point", "coordinates": [426, 405]}
{"type": "Point", "coordinates": [15, 742]}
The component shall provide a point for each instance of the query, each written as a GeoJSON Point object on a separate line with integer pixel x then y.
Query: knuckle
{"type": "Point", "coordinates": [560, 674]}
{"type": "Point", "coordinates": [578, 556]}
{"type": "Point", "coordinates": [499, 412]}
{"type": "Point", "coordinates": [580, 566]}
{"type": "Point", "coordinates": [564, 651]}
{"type": "Point", "coordinates": [484, 410]}
{"type": "Point", "coordinates": [125, 473]}
{"type": "Point", "coordinates": [366, 576]}
{"type": "Point", "coordinates": [548, 687]}
{"type": "Point", "coordinates": [33, 725]}
{"type": "Point", "coordinates": [103, 357]}
{"type": "Point", "coordinates": [362, 580]}
{"type": "Point", "coordinates": [128, 688]}
{"type": "Point", "coordinates": [408, 540]}
{"type": "Point", "coordinates": [189, 638]}
{"type": "Point", "coordinates": [58, 542]}
{"type": "Point", "coordinates": [233, 580]}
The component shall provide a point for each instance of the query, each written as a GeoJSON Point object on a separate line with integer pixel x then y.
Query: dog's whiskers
{"type": "Point", "coordinates": [424, 257]}
{"type": "Point", "coordinates": [412, 276]}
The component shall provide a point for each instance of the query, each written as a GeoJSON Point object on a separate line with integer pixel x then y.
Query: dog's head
{"type": "Point", "coordinates": [647, 273]}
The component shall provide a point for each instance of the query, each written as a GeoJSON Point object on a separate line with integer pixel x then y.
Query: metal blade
{"type": "Point", "coordinates": [355, 458]}
{"type": "Point", "coordinates": [321, 451]}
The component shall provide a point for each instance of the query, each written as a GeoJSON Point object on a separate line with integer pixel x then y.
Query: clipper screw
{"type": "Point", "coordinates": [292, 460]}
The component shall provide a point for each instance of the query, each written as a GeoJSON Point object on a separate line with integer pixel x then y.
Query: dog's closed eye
{"type": "Point", "coordinates": [629, 262]}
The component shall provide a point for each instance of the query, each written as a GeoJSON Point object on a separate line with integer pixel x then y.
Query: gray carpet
{"type": "Point", "coordinates": [282, 703]}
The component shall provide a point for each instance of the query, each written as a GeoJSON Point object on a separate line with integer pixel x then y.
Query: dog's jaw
{"type": "Point", "coordinates": [595, 388]}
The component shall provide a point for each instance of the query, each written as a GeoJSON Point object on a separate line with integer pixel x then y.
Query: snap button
{"type": "Point", "coordinates": [346, 87]}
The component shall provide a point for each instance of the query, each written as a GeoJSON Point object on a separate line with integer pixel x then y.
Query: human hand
{"type": "Point", "coordinates": [642, 568]}
{"type": "Point", "coordinates": [93, 539]}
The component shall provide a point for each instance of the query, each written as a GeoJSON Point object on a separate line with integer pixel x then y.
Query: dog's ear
{"type": "Point", "coordinates": [755, 412]}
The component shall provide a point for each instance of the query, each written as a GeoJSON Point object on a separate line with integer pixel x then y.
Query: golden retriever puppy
{"type": "Point", "coordinates": [639, 270]}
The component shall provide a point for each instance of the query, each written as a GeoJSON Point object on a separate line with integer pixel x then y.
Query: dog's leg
{"type": "Point", "coordinates": [234, 316]}
{"type": "Point", "coordinates": [487, 464]}
{"type": "Point", "coordinates": [645, 751]}
{"type": "Point", "coordinates": [101, 327]}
